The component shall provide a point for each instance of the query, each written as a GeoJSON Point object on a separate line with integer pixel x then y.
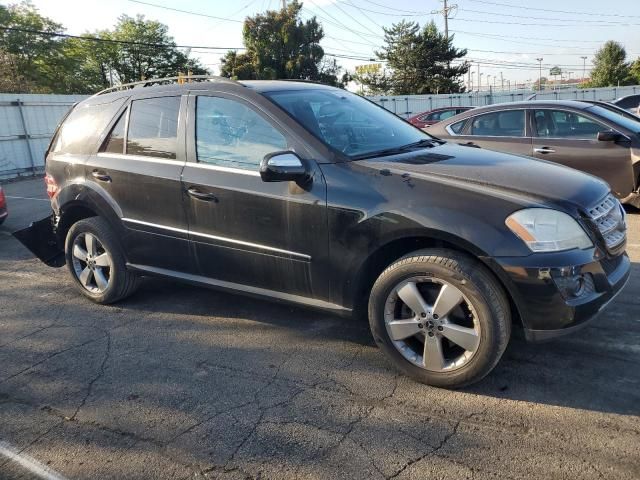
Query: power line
{"type": "Point", "coordinates": [110, 40]}
{"type": "Point", "coordinates": [530, 38]}
{"type": "Point", "coordinates": [186, 11]}
{"type": "Point", "coordinates": [342, 25]}
{"type": "Point", "coordinates": [476, 20]}
{"type": "Point", "coordinates": [356, 20]}
{"type": "Point", "coordinates": [527, 7]}
{"type": "Point", "coordinates": [501, 14]}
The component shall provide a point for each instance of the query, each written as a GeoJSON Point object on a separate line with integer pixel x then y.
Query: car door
{"type": "Point", "coordinates": [139, 168]}
{"type": "Point", "coordinates": [500, 130]}
{"type": "Point", "coordinates": [248, 233]}
{"type": "Point", "coordinates": [571, 138]}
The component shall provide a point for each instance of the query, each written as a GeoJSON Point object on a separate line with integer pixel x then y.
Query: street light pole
{"type": "Point", "coordinates": [584, 66]}
{"type": "Point", "coordinates": [540, 74]}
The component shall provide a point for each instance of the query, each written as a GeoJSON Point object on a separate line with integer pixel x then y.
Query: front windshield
{"type": "Point", "coordinates": [615, 117]}
{"type": "Point", "coordinates": [347, 122]}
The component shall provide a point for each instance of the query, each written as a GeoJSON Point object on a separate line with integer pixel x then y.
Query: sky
{"type": "Point", "coordinates": [505, 37]}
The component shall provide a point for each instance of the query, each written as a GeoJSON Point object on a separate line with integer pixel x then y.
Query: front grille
{"type": "Point", "coordinates": [608, 217]}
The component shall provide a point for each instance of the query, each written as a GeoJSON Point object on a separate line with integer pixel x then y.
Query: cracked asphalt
{"type": "Point", "coordinates": [183, 382]}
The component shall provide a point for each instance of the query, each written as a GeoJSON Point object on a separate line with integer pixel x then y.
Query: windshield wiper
{"type": "Point", "coordinates": [425, 142]}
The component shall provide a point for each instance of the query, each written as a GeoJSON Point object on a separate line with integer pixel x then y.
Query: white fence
{"type": "Point", "coordinates": [28, 121]}
{"type": "Point", "coordinates": [26, 125]}
{"type": "Point", "coordinates": [406, 106]}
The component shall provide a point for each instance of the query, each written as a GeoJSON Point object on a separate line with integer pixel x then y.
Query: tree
{"type": "Point", "coordinates": [609, 66]}
{"type": "Point", "coordinates": [145, 50]}
{"type": "Point", "coordinates": [281, 45]}
{"type": "Point", "coordinates": [51, 63]}
{"type": "Point", "coordinates": [634, 72]}
{"type": "Point", "coordinates": [38, 57]}
{"type": "Point", "coordinates": [421, 61]}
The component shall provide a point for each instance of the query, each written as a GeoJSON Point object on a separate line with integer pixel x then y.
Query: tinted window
{"type": "Point", "coordinates": [565, 124]}
{"type": "Point", "coordinates": [628, 102]}
{"type": "Point", "coordinates": [115, 142]}
{"type": "Point", "coordinates": [153, 127]}
{"type": "Point", "coordinates": [457, 127]}
{"type": "Point", "coordinates": [631, 123]}
{"type": "Point", "coordinates": [507, 123]}
{"type": "Point", "coordinates": [347, 122]}
{"type": "Point", "coordinates": [80, 131]}
{"type": "Point", "coordinates": [230, 134]}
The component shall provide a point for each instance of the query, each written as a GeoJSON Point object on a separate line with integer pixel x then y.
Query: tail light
{"type": "Point", "coordinates": [3, 200]}
{"type": "Point", "coordinates": [52, 186]}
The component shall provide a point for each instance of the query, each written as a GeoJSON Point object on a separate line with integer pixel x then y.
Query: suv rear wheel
{"type": "Point", "coordinates": [96, 262]}
{"type": "Point", "coordinates": [440, 317]}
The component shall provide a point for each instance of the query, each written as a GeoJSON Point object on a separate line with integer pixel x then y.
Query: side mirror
{"type": "Point", "coordinates": [282, 167]}
{"type": "Point", "coordinates": [608, 136]}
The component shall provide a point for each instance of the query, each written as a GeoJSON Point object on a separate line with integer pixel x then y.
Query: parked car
{"type": "Point", "coordinates": [426, 119]}
{"type": "Point", "coordinates": [580, 135]}
{"type": "Point", "coordinates": [629, 102]}
{"type": "Point", "coordinates": [4, 213]}
{"type": "Point", "coordinates": [309, 194]}
{"type": "Point", "coordinates": [614, 108]}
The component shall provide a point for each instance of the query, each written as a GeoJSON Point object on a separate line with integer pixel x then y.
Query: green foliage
{"type": "Point", "coordinates": [610, 68]}
{"type": "Point", "coordinates": [135, 49]}
{"type": "Point", "coordinates": [634, 72]}
{"type": "Point", "coordinates": [420, 61]}
{"type": "Point", "coordinates": [279, 45]}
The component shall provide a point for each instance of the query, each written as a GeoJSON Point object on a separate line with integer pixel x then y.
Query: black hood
{"type": "Point", "coordinates": [495, 172]}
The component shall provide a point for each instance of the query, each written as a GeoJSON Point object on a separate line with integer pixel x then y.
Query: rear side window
{"type": "Point", "coordinates": [83, 127]}
{"type": "Point", "coordinates": [115, 143]}
{"type": "Point", "coordinates": [457, 127]}
{"type": "Point", "coordinates": [153, 127]}
{"type": "Point", "coordinates": [507, 123]}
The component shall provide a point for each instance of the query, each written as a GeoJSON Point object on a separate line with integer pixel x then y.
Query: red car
{"type": "Point", "coordinates": [3, 206]}
{"type": "Point", "coordinates": [436, 115]}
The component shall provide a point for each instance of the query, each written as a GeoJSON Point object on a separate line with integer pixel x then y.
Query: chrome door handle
{"type": "Point", "coordinates": [101, 176]}
{"type": "Point", "coordinates": [544, 150]}
{"type": "Point", "coordinates": [207, 197]}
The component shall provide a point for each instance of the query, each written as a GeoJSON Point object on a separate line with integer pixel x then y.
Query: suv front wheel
{"type": "Point", "coordinates": [440, 317]}
{"type": "Point", "coordinates": [97, 263]}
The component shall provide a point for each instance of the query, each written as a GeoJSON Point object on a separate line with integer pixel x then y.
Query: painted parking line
{"type": "Point", "coordinates": [29, 463]}
{"type": "Point", "coordinates": [28, 198]}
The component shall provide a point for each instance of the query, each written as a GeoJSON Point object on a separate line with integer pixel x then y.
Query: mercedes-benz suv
{"type": "Point", "coordinates": [310, 194]}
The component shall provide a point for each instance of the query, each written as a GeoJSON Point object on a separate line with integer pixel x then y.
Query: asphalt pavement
{"type": "Point", "coordinates": [183, 382]}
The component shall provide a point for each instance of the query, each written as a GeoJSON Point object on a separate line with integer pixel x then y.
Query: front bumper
{"type": "Point", "coordinates": [545, 311]}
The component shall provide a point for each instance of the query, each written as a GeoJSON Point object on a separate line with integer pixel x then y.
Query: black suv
{"type": "Point", "coordinates": [310, 194]}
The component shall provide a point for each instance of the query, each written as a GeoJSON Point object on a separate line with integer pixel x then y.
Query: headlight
{"type": "Point", "coordinates": [546, 230]}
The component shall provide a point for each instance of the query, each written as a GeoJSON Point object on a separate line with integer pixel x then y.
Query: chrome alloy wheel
{"type": "Point", "coordinates": [432, 324]}
{"type": "Point", "coordinates": [91, 263]}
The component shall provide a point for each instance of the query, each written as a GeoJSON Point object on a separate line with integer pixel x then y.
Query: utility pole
{"type": "Point", "coordinates": [584, 67]}
{"type": "Point", "coordinates": [284, 4]}
{"type": "Point", "coordinates": [446, 13]}
{"type": "Point", "coordinates": [501, 81]}
{"type": "Point", "coordinates": [479, 79]}
{"type": "Point", "coordinates": [540, 74]}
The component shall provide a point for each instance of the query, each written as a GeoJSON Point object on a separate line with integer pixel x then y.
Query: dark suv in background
{"type": "Point", "coordinates": [309, 194]}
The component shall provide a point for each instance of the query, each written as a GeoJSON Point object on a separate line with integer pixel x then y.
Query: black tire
{"type": "Point", "coordinates": [122, 282]}
{"type": "Point", "coordinates": [476, 284]}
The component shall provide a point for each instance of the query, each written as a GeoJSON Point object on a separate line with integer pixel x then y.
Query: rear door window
{"type": "Point", "coordinates": [457, 127]}
{"type": "Point", "coordinates": [565, 124]}
{"type": "Point", "coordinates": [115, 142]}
{"type": "Point", "coordinates": [506, 123]}
{"type": "Point", "coordinates": [153, 127]}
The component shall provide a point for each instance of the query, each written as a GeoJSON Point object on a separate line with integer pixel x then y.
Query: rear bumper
{"type": "Point", "coordinates": [543, 308]}
{"type": "Point", "coordinates": [41, 240]}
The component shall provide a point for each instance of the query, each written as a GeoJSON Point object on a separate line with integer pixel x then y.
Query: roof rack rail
{"type": "Point", "coordinates": [167, 80]}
